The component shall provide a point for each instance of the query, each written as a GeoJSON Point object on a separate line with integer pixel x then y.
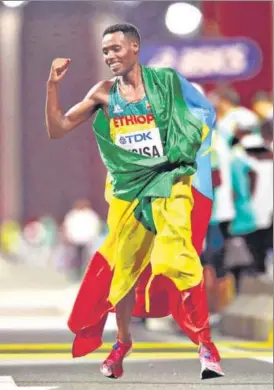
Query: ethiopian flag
{"type": "Point", "coordinates": [159, 209]}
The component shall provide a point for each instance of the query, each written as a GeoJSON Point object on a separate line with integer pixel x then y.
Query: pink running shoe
{"type": "Point", "coordinates": [112, 367]}
{"type": "Point", "coordinates": [210, 366]}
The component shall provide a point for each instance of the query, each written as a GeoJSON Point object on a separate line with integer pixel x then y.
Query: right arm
{"type": "Point", "coordinates": [59, 123]}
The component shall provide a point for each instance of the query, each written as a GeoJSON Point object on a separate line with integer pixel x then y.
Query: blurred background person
{"type": "Point", "coordinates": [261, 160]}
{"type": "Point", "coordinates": [243, 178]}
{"type": "Point", "coordinates": [233, 119]}
{"type": "Point", "coordinates": [252, 185]}
{"type": "Point", "coordinates": [233, 122]}
{"type": "Point", "coordinates": [81, 228]}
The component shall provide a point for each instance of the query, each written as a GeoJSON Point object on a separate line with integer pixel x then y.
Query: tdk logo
{"type": "Point", "coordinates": [122, 140]}
{"type": "Point", "coordinates": [134, 138]}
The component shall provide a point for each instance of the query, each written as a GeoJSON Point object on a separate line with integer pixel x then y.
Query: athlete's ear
{"type": "Point", "coordinates": [135, 46]}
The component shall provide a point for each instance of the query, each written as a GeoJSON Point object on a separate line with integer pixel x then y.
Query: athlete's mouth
{"type": "Point", "coordinates": [114, 65]}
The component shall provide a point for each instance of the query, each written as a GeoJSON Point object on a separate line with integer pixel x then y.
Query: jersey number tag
{"type": "Point", "coordinates": [145, 142]}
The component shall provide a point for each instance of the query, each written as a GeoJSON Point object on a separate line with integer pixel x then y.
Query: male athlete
{"type": "Point", "coordinates": [150, 251]}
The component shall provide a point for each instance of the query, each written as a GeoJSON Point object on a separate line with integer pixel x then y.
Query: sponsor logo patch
{"type": "Point", "coordinates": [145, 142]}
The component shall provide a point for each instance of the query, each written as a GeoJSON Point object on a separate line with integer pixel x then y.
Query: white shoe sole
{"type": "Point", "coordinates": [107, 372]}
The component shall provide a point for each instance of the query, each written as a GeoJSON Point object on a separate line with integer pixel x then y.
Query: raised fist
{"type": "Point", "coordinates": [58, 69]}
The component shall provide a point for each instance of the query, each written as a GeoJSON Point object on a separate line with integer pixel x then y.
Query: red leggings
{"type": "Point", "coordinates": [190, 310]}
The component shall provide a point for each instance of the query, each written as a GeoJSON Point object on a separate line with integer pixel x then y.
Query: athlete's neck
{"type": "Point", "coordinates": [133, 78]}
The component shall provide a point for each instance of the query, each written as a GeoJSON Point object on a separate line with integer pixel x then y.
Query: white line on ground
{"type": "Point", "coordinates": [264, 359]}
{"type": "Point", "coordinates": [7, 383]}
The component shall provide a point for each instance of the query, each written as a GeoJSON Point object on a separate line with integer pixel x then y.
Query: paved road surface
{"type": "Point", "coordinates": [159, 361]}
{"type": "Point", "coordinates": [241, 374]}
{"type": "Point", "coordinates": [35, 351]}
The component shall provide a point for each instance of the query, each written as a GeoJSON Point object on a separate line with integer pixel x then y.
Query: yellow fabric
{"type": "Point", "coordinates": [126, 248]}
{"type": "Point", "coordinates": [129, 247]}
{"type": "Point", "coordinates": [173, 253]}
{"type": "Point", "coordinates": [205, 131]}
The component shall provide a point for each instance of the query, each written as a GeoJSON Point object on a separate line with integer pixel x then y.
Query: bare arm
{"type": "Point", "coordinates": [59, 123]}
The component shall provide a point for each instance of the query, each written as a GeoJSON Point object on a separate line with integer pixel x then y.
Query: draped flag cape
{"type": "Point", "coordinates": [159, 209]}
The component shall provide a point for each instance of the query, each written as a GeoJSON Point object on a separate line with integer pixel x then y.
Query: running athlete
{"type": "Point", "coordinates": [153, 130]}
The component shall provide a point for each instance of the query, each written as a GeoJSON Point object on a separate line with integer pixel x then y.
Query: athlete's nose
{"type": "Point", "coordinates": [110, 57]}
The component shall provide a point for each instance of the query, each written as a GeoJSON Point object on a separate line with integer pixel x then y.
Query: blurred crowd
{"type": "Point", "coordinates": [240, 234]}
{"type": "Point", "coordinates": [65, 246]}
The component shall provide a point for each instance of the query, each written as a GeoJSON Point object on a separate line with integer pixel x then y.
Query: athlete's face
{"type": "Point", "coordinates": [120, 52]}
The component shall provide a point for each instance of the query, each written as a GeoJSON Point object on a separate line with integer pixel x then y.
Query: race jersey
{"type": "Point", "coordinates": [132, 125]}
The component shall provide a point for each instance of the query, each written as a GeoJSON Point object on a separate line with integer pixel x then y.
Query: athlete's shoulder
{"type": "Point", "coordinates": [101, 87]}
{"type": "Point", "coordinates": [99, 92]}
{"type": "Point", "coordinates": [107, 84]}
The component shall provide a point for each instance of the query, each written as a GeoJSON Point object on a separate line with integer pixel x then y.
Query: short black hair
{"type": "Point", "coordinates": [126, 29]}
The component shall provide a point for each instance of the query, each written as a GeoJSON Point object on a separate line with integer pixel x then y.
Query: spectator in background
{"type": "Point", "coordinates": [231, 116]}
{"type": "Point", "coordinates": [261, 159]}
{"type": "Point", "coordinates": [238, 256]}
{"type": "Point", "coordinates": [81, 227]}
{"type": "Point", "coordinates": [233, 123]}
